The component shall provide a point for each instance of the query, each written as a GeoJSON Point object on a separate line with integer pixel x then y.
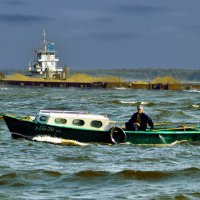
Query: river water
{"type": "Point", "coordinates": [51, 170]}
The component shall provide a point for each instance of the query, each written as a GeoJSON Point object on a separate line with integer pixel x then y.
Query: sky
{"type": "Point", "coordinates": [91, 34]}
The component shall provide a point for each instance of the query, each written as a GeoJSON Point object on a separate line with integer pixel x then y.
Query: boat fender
{"type": "Point", "coordinates": [117, 135]}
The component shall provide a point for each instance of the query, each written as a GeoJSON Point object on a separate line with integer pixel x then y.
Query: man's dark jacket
{"type": "Point", "coordinates": [145, 119]}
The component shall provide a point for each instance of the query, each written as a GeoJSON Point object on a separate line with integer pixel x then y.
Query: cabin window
{"type": "Point", "coordinates": [60, 121]}
{"type": "Point", "coordinates": [43, 118]}
{"type": "Point", "coordinates": [96, 124]}
{"type": "Point", "coordinates": [78, 122]}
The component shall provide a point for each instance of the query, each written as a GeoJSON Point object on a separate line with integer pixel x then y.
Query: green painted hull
{"type": "Point", "coordinates": [162, 136]}
{"type": "Point", "coordinates": [21, 128]}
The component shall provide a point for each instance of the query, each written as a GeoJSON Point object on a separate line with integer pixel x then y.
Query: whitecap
{"type": "Point", "coordinates": [56, 140]}
{"type": "Point", "coordinates": [4, 88]}
{"type": "Point", "coordinates": [144, 103]}
{"type": "Point", "coordinates": [121, 88]}
{"type": "Point", "coordinates": [135, 102]}
{"type": "Point", "coordinates": [193, 90]}
{"type": "Point", "coordinates": [128, 102]}
{"type": "Point", "coordinates": [195, 106]}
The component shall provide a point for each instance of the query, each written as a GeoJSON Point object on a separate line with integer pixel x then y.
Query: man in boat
{"type": "Point", "coordinates": [139, 121]}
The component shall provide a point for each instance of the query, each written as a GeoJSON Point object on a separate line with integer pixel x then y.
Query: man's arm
{"type": "Point", "coordinates": [133, 118]}
{"type": "Point", "coordinates": [150, 122]}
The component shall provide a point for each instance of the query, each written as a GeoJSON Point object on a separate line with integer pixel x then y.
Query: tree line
{"type": "Point", "coordinates": [146, 74]}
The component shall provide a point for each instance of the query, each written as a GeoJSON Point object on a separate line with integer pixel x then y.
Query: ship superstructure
{"type": "Point", "coordinates": [46, 64]}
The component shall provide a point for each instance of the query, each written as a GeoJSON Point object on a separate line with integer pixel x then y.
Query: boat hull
{"type": "Point", "coordinates": [29, 129]}
{"type": "Point", "coordinates": [21, 128]}
{"type": "Point", "coordinates": [162, 137]}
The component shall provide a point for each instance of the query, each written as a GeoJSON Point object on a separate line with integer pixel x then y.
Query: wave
{"type": "Point", "coordinates": [71, 158]}
{"type": "Point", "coordinates": [61, 141]}
{"type": "Point", "coordinates": [121, 88]}
{"type": "Point", "coordinates": [196, 106]}
{"type": "Point", "coordinates": [133, 102]}
{"type": "Point", "coordinates": [27, 177]}
{"type": "Point", "coordinates": [144, 175]}
{"type": "Point", "coordinates": [193, 90]}
{"type": "Point", "coordinates": [177, 142]}
{"type": "Point", "coordinates": [12, 179]}
{"type": "Point", "coordinates": [18, 183]}
{"type": "Point", "coordinates": [4, 88]}
{"type": "Point", "coordinates": [91, 174]}
{"type": "Point", "coordinates": [186, 195]}
{"type": "Point", "coordinates": [140, 175]}
{"type": "Point", "coordinates": [52, 173]}
{"type": "Point", "coordinates": [11, 175]}
{"type": "Point", "coordinates": [171, 114]}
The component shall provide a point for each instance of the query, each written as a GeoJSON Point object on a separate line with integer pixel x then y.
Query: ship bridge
{"type": "Point", "coordinates": [46, 64]}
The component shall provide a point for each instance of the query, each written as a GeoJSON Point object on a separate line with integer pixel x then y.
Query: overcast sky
{"type": "Point", "coordinates": [102, 33]}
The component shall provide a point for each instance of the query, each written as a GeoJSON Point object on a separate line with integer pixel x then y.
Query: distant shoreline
{"type": "Point", "coordinates": [144, 74]}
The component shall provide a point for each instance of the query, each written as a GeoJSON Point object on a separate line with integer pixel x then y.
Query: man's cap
{"type": "Point", "coordinates": [140, 107]}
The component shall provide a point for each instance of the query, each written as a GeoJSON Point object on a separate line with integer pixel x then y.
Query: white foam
{"type": "Point", "coordinates": [144, 103]}
{"type": "Point", "coordinates": [134, 102]}
{"type": "Point", "coordinates": [121, 88]}
{"type": "Point", "coordinates": [194, 90]}
{"type": "Point", "coordinates": [4, 88]}
{"type": "Point", "coordinates": [56, 140]}
{"type": "Point", "coordinates": [195, 106]}
{"type": "Point", "coordinates": [128, 102]}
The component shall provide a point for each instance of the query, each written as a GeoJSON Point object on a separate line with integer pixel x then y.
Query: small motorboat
{"type": "Point", "coordinates": [91, 128]}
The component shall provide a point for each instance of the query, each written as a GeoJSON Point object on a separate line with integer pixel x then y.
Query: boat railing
{"type": "Point", "coordinates": [63, 111]}
{"type": "Point", "coordinates": [70, 112]}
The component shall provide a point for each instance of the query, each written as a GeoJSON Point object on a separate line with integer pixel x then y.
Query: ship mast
{"type": "Point", "coordinates": [44, 41]}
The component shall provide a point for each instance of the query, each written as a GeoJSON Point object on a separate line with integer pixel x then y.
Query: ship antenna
{"type": "Point", "coordinates": [44, 41]}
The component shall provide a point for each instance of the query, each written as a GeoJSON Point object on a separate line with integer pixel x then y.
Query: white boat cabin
{"type": "Point", "coordinates": [46, 64]}
{"type": "Point", "coordinates": [73, 119]}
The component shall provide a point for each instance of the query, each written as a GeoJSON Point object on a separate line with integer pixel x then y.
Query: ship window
{"type": "Point", "coordinates": [43, 118]}
{"type": "Point", "coordinates": [96, 124]}
{"type": "Point", "coordinates": [78, 122]}
{"type": "Point", "coordinates": [60, 121]}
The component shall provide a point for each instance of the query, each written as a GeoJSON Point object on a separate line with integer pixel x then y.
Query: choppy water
{"type": "Point", "coordinates": [56, 170]}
